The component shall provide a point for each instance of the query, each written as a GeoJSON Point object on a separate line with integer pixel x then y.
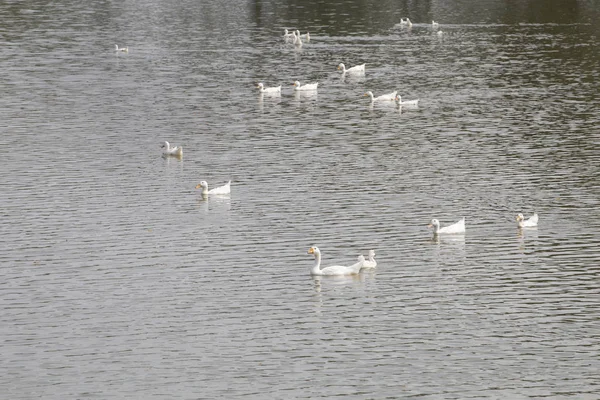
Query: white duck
{"type": "Point", "coordinates": [121, 49]}
{"type": "Point", "coordinates": [272, 90]}
{"type": "Point", "coordinates": [383, 97]}
{"type": "Point", "coordinates": [370, 263]}
{"type": "Point", "coordinates": [456, 228]}
{"type": "Point", "coordinates": [434, 24]}
{"type": "Point", "coordinates": [287, 36]}
{"type": "Point", "coordinates": [171, 150]}
{"type": "Point", "coordinates": [406, 103]}
{"type": "Point", "coordinates": [405, 21]}
{"type": "Point", "coordinates": [357, 69]}
{"type": "Point", "coordinates": [306, 36]}
{"type": "Point", "coordinates": [529, 223]}
{"type": "Point", "coordinates": [334, 269]}
{"type": "Point", "coordinates": [297, 40]}
{"type": "Point", "coordinates": [225, 189]}
{"type": "Point", "coordinates": [308, 86]}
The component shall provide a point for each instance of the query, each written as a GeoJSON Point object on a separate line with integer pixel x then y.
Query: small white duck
{"type": "Point", "coordinates": [406, 22]}
{"type": "Point", "coordinates": [308, 86]}
{"type": "Point", "coordinates": [406, 103]}
{"type": "Point", "coordinates": [529, 223]}
{"type": "Point", "coordinates": [383, 97]}
{"type": "Point", "coordinates": [271, 90]}
{"type": "Point", "coordinates": [334, 269]}
{"type": "Point", "coordinates": [306, 36]}
{"type": "Point", "coordinates": [287, 36]}
{"type": "Point", "coordinates": [171, 150]}
{"type": "Point", "coordinates": [457, 228]}
{"type": "Point", "coordinates": [434, 24]}
{"type": "Point", "coordinates": [370, 263]}
{"type": "Point", "coordinates": [297, 40]}
{"type": "Point", "coordinates": [357, 69]}
{"type": "Point", "coordinates": [121, 49]}
{"type": "Point", "coordinates": [225, 189]}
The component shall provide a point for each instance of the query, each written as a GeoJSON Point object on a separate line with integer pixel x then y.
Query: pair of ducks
{"type": "Point", "coordinates": [295, 37]}
{"type": "Point", "coordinates": [177, 151]}
{"type": "Point", "coordinates": [459, 227]}
{"type": "Point", "coordinates": [339, 270]}
{"type": "Point", "coordinates": [393, 96]}
{"type": "Point", "coordinates": [277, 89]}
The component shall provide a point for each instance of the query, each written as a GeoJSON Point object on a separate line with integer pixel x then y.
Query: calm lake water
{"type": "Point", "coordinates": [118, 280]}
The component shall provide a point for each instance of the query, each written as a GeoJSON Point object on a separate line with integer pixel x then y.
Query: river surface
{"type": "Point", "coordinates": [119, 280]}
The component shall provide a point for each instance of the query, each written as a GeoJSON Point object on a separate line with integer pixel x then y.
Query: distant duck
{"type": "Point", "coordinates": [121, 49]}
{"type": "Point", "coordinates": [457, 228]}
{"type": "Point", "coordinates": [297, 40]}
{"type": "Point", "coordinates": [434, 24]}
{"type": "Point", "coordinates": [383, 97]}
{"type": "Point", "coordinates": [270, 90]}
{"type": "Point", "coordinates": [529, 223]}
{"type": "Point", "coordinates": [370, 263]}
{"type": "Point", "coordinates": [287, 36]}
{"type": "Point", "coordinates": [225, 189]}
{"type": "Point", "coordinates": [406, 22]}
{"type": "Point", "coordinates": [408, 102]}
{"type": "Point", "coordinates": [334, 269]}
{"type": "Point", "coordinates": [308, 86]}
{"type": "Point", "coordinates": [357, 69]}
{"type": "Point", "coordinates": [171, 150]}
{"type": "Point", "coordinates": [305, 36]}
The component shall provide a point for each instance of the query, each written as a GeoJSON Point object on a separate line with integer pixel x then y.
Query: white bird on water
{"type": "Point", "coordinates": [370, 263]}
{"type": "Point", "coordinates": [121, 49]}
{"type": "Point", "coordinates": [406, 103]}
{"type": "Point", "coordinates": [406, 22]}
{"type": "Point", "coordinates": [271, 90]}
{"type": "Point", "coordinates": [172, 150]}
{"type": "Point", "coordinates": [334, 269]}
{"type": "Point", "coordinates": [306, 87]}
{"type": "Point", "coordinates": [457, 228]}
{"type": "Point", "coordinates": [225, 189]}
{"type": "Point", "coordinates": [529, 223]}
{"type": "Point", "coordinates": [357, 69]}
{"type": "Point", "coordinates": [383, 97]}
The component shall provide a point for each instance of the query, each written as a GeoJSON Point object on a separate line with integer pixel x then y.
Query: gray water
{"type": "Point", "coordinates": [118, 280]}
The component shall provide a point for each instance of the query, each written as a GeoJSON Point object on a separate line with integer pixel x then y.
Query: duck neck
{"type": "Point", "coordinates": [316, 269]}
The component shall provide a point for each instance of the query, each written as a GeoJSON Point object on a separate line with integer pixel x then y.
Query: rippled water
{"type": "Point", "coordinates": [118, 280]}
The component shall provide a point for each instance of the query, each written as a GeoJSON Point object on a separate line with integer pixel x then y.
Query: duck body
{"type": "Point", "coordinates": [529, 223]}
{"type": "Point", "coordinates": [121, 49]}
{"type": "Point", "coordinates": [457, 228]}
{"type": "Point", "coordinates": [225, 189]}
{"type": "Point", "coordinates": [270, 90]}
{"type": "Point", "coordinates": [169, 150]}
{"type": "Point", "coordinates": [370, 263]}
{"type": "Point", "coordinates": [334, 270]}
{"type": "Point", "coordinates": [406, 22]}
{"type": "Point", "coordinates": [383, 97]}
{"type": "Point", "coordinates": [357, 69]}
{"type": "Point", "coordinates": [406, 103]}
{"type": "Point", "coordinates": [308, 86]}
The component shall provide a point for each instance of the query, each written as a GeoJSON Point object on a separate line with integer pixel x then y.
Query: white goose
{"type": "Point", "coordinates": [456, 228]}
{"type": "Point", "coordinates": [529, 223]}
{"type": "Point", "coordinates": [121, 49]}
{"type": "Point", "coordinates": [334, 269]}
{"type": "Point", "coordinates": [407, 103]}
{"type": "Point", "coordinates": [171, 150]}
{"type": "Point", "coordinates": [383, 97]}
{"type": "Point", "coordinates": [271, 90]}
{"type": "Point", "coordinates": [308, 86]}
{"type": "Point", "coordinates": [297, 40]}
{"type": "Point", "coordinates": [405, 21]}
{"type": "Point", "coordinates": [225, 189]}
{"type": "Point", "coordinates": [306, 36]}
{"type": "Point", "coordinates": [370, 263]}
{"type": "Point", "coordinates": [357, 69]}
{"type": "Point", "coordinates": [434, 24]}
{"type": "Point", "coordinates": [287, 36]}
